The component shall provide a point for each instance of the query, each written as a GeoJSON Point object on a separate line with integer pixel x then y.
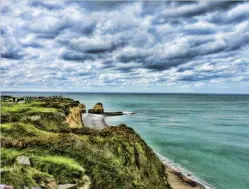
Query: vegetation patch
{"type": "Point", "coordinates": [59, 153]}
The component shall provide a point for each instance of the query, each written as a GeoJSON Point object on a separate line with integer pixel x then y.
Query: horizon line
{"type": "Point", "coordinates": [218, 93]}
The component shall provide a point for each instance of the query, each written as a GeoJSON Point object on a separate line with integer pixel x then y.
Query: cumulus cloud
{"type": "Point", "coordinates": [122, 44]}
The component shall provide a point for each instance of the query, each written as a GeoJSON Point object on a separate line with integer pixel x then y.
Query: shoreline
{"type": "Point", "coordinates": [178, 177]}
{"type": "Point", "coordinates": [97, 121]}
{"type": "Point", "coordinates": [179, 181]}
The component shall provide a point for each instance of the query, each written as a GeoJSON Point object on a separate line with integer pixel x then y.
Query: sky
{"type": "Point", "coordinates": [118, 46]}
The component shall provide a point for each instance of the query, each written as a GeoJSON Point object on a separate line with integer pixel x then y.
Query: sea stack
{"type": "Point", "coordinates": [97, 109]}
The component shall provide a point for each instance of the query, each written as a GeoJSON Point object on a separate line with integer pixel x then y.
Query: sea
{"type": "Point", "coordinates": [205, 136]}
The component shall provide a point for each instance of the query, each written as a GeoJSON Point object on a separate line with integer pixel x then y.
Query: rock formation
{"type": "Point", "coordinates": [23, 160]}
{"type": "Point", "coordinates": [74, 118]}
{"type": "Point", "coordinates": [97, 109]}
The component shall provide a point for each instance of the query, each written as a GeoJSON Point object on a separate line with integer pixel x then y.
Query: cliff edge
{"type": "Point", "coordinates": [44, 145]}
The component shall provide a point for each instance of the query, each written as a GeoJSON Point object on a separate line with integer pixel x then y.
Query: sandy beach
{"type": "Point", "coordinates": [179, 178]}
{"type": "Point", "coordinates": [94, 121]}
{"type": "Point", "coordinates": [177, 181]}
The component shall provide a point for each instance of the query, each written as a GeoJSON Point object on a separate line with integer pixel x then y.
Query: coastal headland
{"type": "Point", "coordinates": [51, 142]}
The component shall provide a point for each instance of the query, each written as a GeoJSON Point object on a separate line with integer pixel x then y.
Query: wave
{"type": "Point", "coordinates": [129, 113]}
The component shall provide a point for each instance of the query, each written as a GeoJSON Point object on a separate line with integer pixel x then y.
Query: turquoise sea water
{"type": "Point", "coordinates": [208, 135]}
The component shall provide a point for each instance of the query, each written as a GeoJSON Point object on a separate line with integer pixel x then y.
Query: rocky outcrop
{"type": "Point", "coordinates": [74, 119]}
{"type": "Point", "coordinates": [50, 183]}
{"type": "Point", "coordinates": [97, 109]}
{"type": "Point", "coordinates": [23, 160]}
{"type": "Point", "coordinates": [113, 113]}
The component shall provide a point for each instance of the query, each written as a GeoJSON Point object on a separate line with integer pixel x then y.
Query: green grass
{"type": "Point", "coordinates": [64, 169]}
{"type": "Point", "coordinates": [20, 177]}
{"type": "Point", "coordinates": [115, 157]}
{"type": "Point", "coordinates": [8, 156]}
{"type": "Point", "coordinates": [60, 160]}
{"type": "Point", "coordinates": [6, 126]}
{"type": "Point", "coordinates": [21, 130]}
{"type": "Point", "coordinates": [28, 107]}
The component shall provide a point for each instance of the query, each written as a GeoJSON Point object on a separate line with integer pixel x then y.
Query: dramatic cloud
{"type": "Point", "coordinates": [82, 45]}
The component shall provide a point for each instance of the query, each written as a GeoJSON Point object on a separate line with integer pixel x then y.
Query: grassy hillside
{"type": "Point", "coordinates": [49, 133]}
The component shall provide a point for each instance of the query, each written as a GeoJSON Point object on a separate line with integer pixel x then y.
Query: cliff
{"type": "Point", "coordinates": [44, 145]}
{"type": "Point", "coordinates": [74, 119]}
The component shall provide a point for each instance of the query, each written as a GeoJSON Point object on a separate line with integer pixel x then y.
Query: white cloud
{"type": "Point", "coordinates": [139, 44]}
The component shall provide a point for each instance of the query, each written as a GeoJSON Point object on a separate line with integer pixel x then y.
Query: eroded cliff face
{"type": "Point", "coordinates": [115, 157]}
{"type": "Point", "coordinates": [74, 119]}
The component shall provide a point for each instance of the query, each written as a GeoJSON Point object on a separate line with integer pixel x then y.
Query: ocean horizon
{"type": "Point", "coordinates": [82, 92]}
{"type": "Point", "coordinates": [203, 135]}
